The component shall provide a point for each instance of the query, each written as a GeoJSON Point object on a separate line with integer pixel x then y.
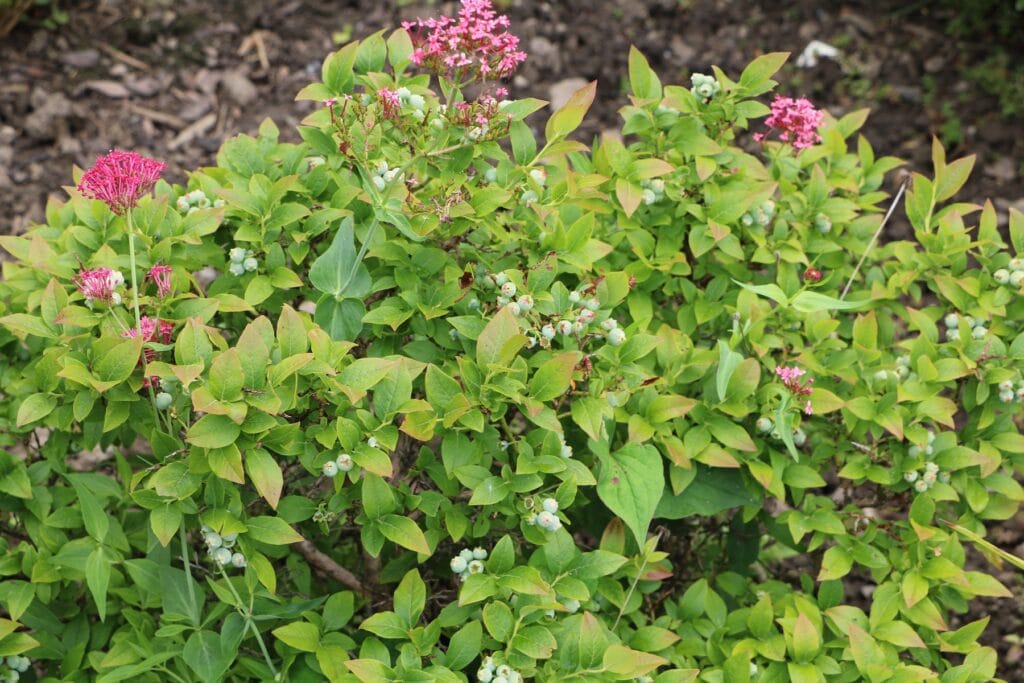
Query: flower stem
{"type": "Point", "coordinates": [188, 574]}
{"type": "Point", "coordinates": [131, 259]}
{"type": "Point", "coordinates": [247, 615]}
{"type": "Point", "coordinates": [138, 317]}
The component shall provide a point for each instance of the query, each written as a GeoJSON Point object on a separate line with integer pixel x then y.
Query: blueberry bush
{"type": "Point", "coordinates": [430, 397]}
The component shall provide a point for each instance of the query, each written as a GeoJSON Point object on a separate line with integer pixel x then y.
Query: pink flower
{"type": "Point", "coordinates": [98, 284]}
{"type": "Point", "coordinates": [795, 121]}
{"type": "Point", "coordinates": [390, 103]}
{"type": "Point", "coordinates": [791, 380]}
{"type": "Point", "coordinates": [153, 330]}
{"type": "Point", "coordinates": [477, 44]}
{"type": "Point", "coordinates": [161, 276]}
{"type": "Point", "coordinates": [120, 179]}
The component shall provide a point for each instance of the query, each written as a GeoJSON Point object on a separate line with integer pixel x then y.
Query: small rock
{"type": "Point", "coordinates": [238, 87]}
{"type": "Point", "coordinates": [111, 89]}
{"type": "Point", "coordinates": [1003, 169]}
{"type": "Point", "coordinates": [51, 109]}
{"type": "Point", "coordinates": [682, 49]}
{"type": "Point", "coordinates": [560, 92]}
{"type": "Point", "coordinates": [146, 86]}
{"type": "Point", "coordinates": [934, 64]}
{"type": "Point", "coordinates": [81, 59]}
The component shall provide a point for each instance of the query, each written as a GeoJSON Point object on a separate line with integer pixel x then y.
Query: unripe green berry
{"type": "Point", "coordinates": [1001, 276]}
{"type": "Point", "coordinates": [163, 400]}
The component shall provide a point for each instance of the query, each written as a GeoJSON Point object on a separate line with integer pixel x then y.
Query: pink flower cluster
{"type": "Point", "coordinates": [99, 284]}
{"type": "Point", "coordinates": [120, 179]}
{"type": "Point", "coordinates": [791, 380]}
{"type": "Point", "coordinates": [161, 277]}
{"type": "Point", "coordinates": [153, 330]}
{"type": "Point", "coordinates": [390, 103]}
{"type": "Point", "coordinates": [795, 121]}
{"type": "Point", "coordinates": [476, 44]}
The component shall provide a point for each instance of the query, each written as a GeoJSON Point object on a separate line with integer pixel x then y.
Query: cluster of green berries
{"type": "Point", "coordinates": [219, 548]}
{"type": "Point", "coordinates": [765, 425]}
{"type": "Point", "coordinates": [704, 87]}
{"type": "Point", "coordinates": [761, 216]}
{"type": "Point", "coordinates": [1013, 275]}
{"type": "Point", "coordinates": [901, 372]}
{"type": "Point", "coordinates": [1007, 393]}
{"type": "Point", "coordinates": [17, 665]}
{"type": "Point", "coordinates": [195, 200]}
{"type": "Point", "coordinates": [547, 517]}
{"type": "Point", "coordinates": [468, 562]}
{"type": "Point", "coordinates": [823, 224]}
{"type": "Point", "coordinates": [384, 174]}
{"type": "Point", "coordinates": [343, 463]}
{"type": "Point", "coordinates": [242, 261]}
{"type": "Point", "coordinates": [165, 397]}
{"type": "Point", "coordinates": [926, 478]}
{"type": "Point", "coordinates": [653, 190]}
{"type": "Point", "coordinates": [415, 103]}
{"type": "Point", "coordinates": [490, 672]}
{"type": "Point", "coordinates": [953, 320]}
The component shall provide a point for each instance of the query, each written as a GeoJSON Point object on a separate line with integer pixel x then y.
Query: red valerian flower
{"type": "Point", "coordinates": [390, 103]}
{"type": "Point", "coordinates": [791, 380]}
{"type": "Point", "coordinates": [795, 121]}
{"type": "Point", "coordinates": [99, 284]}
{"type": "Point", "coordinates": [476, 44]}
{"type": "Point", "coordinates": [153, 330]}
{"type": "Point", "coordinates": [120, 178]}
{"type": "Point", "coordinates": [161, 276]}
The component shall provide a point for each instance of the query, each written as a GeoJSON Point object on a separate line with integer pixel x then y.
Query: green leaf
{"type": "Point", "coordinates": [265, 474]}
{"type": "Point", "coordinates": [117, 364]}
{"type": "Point", "coordinates": [343, 320]}
{"type": "Point", "coordinates": [755, 78]}
{"type": "Point", "coordinates": [553, 378]}
{"type": "Point", "coordinates": [192, 345]}
{"type": "Point", "coordinates": [812, 302]}
{"type": "Point", "coordinates": [213, 431]}
{"type": "Point", "coordinates": [835, 564]}
{"type": "Point", "coordinates": [226, 376]}
{"type": "Point", "coordinates": [534, 641]}
{"type": "Point", "coordinates": [404, 532]}
{"type": "Point", "coordinates": [97, 577]}
{"type": "Point", "coordinates": [35, 407]}
{"type": "Point", "coordinates": [301, 635]}
{"type": "Point", "coordinates": [630, 484]}
{"type": "Point", "coordinates": [712, 490]}
{"type": "Point", "coordinates": [464, 646]}
{"type": "Point", "coordinates": [339, 271]}
{"type": "Point", "coordinates": [165, 521]}
{"type": "Point", "coordinates": [272, 531]}
{"type": "Point", "coordinates": [410, 598]}
{"type": "Point", "coordinates": [642, 79]}
{"type": "Point", "coordinates": [95, 517]}
{"type": "Point", "coordinates": [378, 498]}
{"type": "Point", "coordinates": [203, 654]}
{"type": "Point", "coordinates": [499, 620]}
{"type": "Point", "coordinates": [500, 340]}
{"type": "Point", "coordinates": [570, 116]}
{"type": "Point", "coordinates": [728, 361]}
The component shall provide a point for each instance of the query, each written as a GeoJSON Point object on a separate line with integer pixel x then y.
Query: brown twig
{"type": "Point", "coordinates": [324, 563]}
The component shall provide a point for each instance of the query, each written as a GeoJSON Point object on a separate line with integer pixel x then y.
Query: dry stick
{"type": "Point", "coordinates": [323, 562]}
{"type": "Point", "coordinates": [874, 238]}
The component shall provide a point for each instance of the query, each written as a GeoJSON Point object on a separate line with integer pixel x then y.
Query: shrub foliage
{"type": "Point", "coordinates": [427, 397]}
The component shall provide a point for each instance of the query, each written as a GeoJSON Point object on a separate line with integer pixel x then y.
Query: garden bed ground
{"type": "Point", "coordinates": [173, 79]}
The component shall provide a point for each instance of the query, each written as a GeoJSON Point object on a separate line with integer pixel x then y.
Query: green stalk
{"type": "Point", "coordinates": [249, 622]}
{"type": "Point", "coordinates": [188, 572]}
{"type": "Point", "coordinates": [138, 317]}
